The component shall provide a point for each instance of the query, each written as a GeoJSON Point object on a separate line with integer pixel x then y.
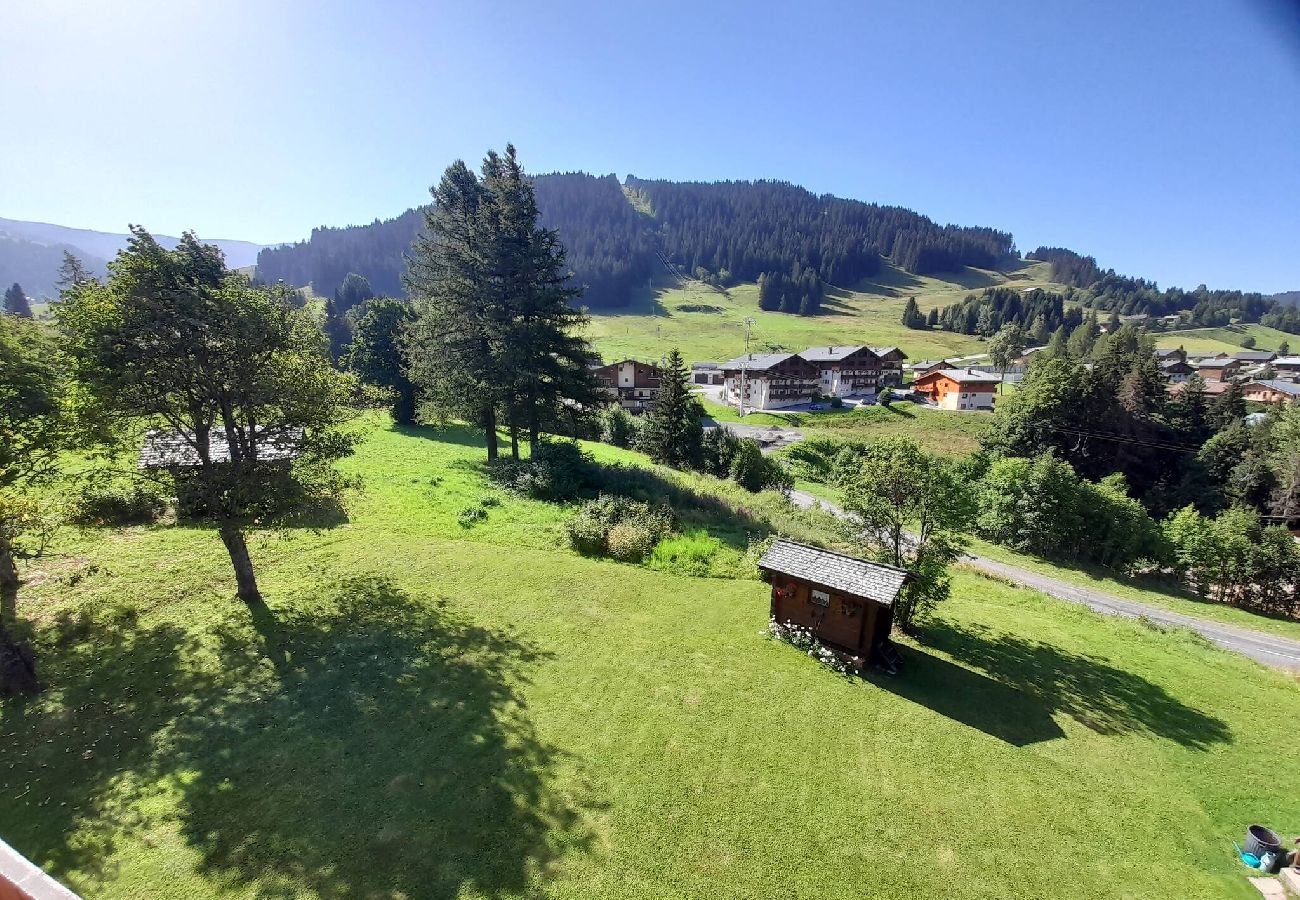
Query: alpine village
{"type": "Point", "coordinates": [579, 535]}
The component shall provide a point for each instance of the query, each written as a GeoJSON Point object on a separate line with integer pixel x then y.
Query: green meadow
{"type": "Point", "coordinates": [425, 709]}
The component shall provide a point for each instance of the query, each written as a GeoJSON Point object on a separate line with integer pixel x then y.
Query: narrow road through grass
{"type": "Point", "coordinates": [1272, 650]}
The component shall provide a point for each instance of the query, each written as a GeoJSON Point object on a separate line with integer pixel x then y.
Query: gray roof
{"type": "Point", "coordinates": [968, 376]}
{"type": "Point", "coordinates": [1169, 351]}
{"type": "Point", "coordinates": [1287, 361]}
{"type": "Point", "coordinates": [1255, 356]}
{"type": "Point", "coordinates": [829, 354]}
{"type": "Point", "coordinates": [1174, 364]}
{"type": "Point", "coordinates": [757, 362]}
{"type": "Point", "coordinates": [1285, 387]}
{"type": "Point", "coordinates": [885, 351]}
{"type": "Point", "coordinates": [167, 449]}
{"type": "Point", "coordinates": [836, 571]}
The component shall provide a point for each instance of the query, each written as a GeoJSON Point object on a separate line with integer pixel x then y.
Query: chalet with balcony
{"type": "Point", "coordinates": [769, 380]}
{"type": "Point", "coordinates": [845, 371]}
{"type": "Point", "coordinates": [1272, 392]}
{"type": "Point", "coordinates": [891, 365]}
{"type": "Point", "coordinates": [630, 383]}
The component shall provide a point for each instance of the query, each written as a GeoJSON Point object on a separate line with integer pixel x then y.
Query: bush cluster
{"type": "Point", "coordinates": [117, 500]}
{"type": "Point", "coordinates": [624, 529]}
{"type": "Point", "coordinates": [557, 471]}
{"type": "Point", "coordinates": [724, 455]}
{"type": "Point", "coordinates": [1041, 506]}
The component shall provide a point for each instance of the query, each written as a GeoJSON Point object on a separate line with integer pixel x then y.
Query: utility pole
{"type": "Point", "coordinates": [744, 364]}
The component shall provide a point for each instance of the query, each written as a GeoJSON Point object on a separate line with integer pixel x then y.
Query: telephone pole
{"type": "Point", "coordinates": [744, 364]}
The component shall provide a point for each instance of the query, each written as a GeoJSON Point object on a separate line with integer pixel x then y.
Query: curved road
{"type": "Point", "coordinates": [1279, 652]}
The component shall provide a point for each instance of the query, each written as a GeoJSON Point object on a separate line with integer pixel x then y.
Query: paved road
{"type": "Point", "coordinates": [1279, 652]}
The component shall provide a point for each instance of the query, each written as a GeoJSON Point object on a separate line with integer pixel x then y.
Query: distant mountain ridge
{"type": "Point", "coordinates": [30, 252]}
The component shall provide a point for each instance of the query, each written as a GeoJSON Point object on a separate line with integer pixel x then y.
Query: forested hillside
{"type": "Point", "coordinates": [725, 233]}
{"type": "Point", "coordinates": [1123, 294]}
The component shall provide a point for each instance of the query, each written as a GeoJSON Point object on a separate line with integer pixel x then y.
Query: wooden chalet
{"type": "Point", "coordinates": [958, 389]}
{"type": "Point", "coordinates": [769, 380]}
{"type": "Point", "coordinates": [1216, 369]}
{"type": "Point", "coordinates": [848, 603]}
{"type": "Point", "coordinates": [1273, 392]}
{"type": "Point", "coordinates": [845, 371]}
{"type": "Point", "coordinates": [891, 365]}
{"type": "Point", "coordinates": [630, 383]}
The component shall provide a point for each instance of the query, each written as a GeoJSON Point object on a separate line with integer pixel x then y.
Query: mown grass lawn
{"type": "Point", "coordinates": [425, 710]}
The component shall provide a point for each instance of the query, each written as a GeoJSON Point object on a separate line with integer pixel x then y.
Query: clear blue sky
{"type": "Point", "coordinates": [1162, 137]}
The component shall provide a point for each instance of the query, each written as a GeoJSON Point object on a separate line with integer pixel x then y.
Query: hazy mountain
{"type": "Point", "coordinates": [30, 252]}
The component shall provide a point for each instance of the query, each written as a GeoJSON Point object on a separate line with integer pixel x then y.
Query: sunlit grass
{"type": "Point", "coordinates": [429, 710]}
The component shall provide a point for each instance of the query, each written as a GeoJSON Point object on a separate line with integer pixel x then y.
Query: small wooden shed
{"type": "Point", "coordinates": [847, 602]}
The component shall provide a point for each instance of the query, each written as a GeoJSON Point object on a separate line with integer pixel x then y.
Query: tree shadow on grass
{"type": "Point", "coordinates": [372, 745]}
{"type": "Point", "coordinates": [73, 753]}
{"type": "Point", "coordinates": [1036, 680]}
{"type": "Point", "coordinates": [375, 747]}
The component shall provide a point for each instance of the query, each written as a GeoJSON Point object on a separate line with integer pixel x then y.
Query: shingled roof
{"type": "Point", "coordinates": [830, 354]}
{"type": "Point", "coordinates": [175, 449]}
{"type": "Point", "coordinates": [836, 571]}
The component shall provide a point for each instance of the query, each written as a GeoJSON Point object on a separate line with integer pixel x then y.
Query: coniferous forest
{"type": "Point", "coordinates": [792, 242]}
{"type": "Point", "coordinates": [619, 235]}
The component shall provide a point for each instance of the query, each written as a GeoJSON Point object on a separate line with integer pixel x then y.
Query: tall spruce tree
{"type": "Point", "coordinates": [672, 433]}
{"type": "Point", "coordinates": [456, 342]}
{"type": "Point", "coordinates": [16, 302]}
{"type": "Point", "coordinates": [494, 336]}
{"type": "Point", "coordinates": [547, 361]}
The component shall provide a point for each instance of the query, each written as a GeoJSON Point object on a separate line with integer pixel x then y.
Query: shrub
{"type": "Point", "coordinates": [630, 541]}
{"type": "Point", "coordinates": [470, 515]}
{"type": "Point", "coordinates": [718, 451]}
{"type": "Point", "coordinates": [618, 427]}
{"type": "Point", "coordinates": [117, 500]}
{"type": "Point", "coordinates": [595, 529]}
{"type": "Point", "coordinates": [753, 471]}
{"type": "Point", "coordinates": [557, 471]}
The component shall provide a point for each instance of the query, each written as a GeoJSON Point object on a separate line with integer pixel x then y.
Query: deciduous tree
{"type": "Point", "coordinates": [911, 510]}
{"type": "Point", "coordinates": [174, 339]}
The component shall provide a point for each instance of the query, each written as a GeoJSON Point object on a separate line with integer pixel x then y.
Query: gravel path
{"type": "Point", "coordinates": [1279, 652]}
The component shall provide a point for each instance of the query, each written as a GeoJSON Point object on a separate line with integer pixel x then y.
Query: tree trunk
{"type": "Point", "coordinates": [490, 426]}
{"type": "Point", "coordinates": [17, 661]}
{"type": "Point", "coordinates": [245, 578]}
{"type": "Point", "coordinates": [514, 440]}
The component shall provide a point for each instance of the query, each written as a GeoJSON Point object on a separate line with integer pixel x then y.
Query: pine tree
{"type": "Point", "coordinates": [453, 345]}
{"type": "Point", "coordinates": [16, 302]}
{"type": "Point", "coordinates": [912, 315]}
{"type": "Point", "coordinates": [1057, 347]}
{"type": "Point", "coordinates": [375, 354]}
{"type": "Point", "coordinates": [984, 325]}
{"type": "Point", "coordinates": [1283, 349]}
{"type": "Point", "coordinates": [932, 317]}
{"type": "Point", "coordinates": [546, 359]}
{"type": "Point", "coordinates": [672, 434]}
{"type": "Point", "coordinates": [72, 273]}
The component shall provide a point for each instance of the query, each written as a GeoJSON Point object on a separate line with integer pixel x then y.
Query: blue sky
{"type": "Point", "coordinates": [1162, 137]}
